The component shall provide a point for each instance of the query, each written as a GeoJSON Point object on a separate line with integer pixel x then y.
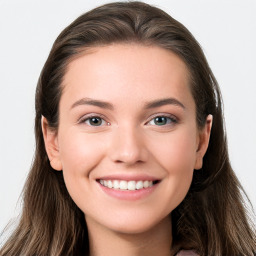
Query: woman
{"type": "Point", "coordinates": [131, 154]}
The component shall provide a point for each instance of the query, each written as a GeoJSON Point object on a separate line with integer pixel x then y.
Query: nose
{"type": "Point", "coordinates": [128, 146]}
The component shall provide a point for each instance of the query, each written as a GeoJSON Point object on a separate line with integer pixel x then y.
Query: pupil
{"type": "Point", "coordinates": [95, 121]}
{"type": "Point", "coordinates": [160, 120]}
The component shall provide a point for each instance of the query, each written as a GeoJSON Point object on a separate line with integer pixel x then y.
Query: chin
{"type": "Point", "coordinates": [136, 224]}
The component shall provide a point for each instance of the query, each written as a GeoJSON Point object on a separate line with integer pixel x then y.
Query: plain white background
{"type": "Point", "coordinates": [226, 29]}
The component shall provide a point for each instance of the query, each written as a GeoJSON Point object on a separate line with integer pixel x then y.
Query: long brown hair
{"type": "Point", "coordinates": [212, 219]}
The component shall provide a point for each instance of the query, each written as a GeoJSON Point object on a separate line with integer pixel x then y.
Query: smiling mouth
{"type": "Point", "coordinates": [130, 185]}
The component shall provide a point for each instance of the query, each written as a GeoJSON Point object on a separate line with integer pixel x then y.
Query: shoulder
{"type": "Point", "coordinates": [187, 253]}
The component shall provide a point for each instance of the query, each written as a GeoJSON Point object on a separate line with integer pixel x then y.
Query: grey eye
{"type": "Point", "coordinates": [162, 120]}
{"type": "Point", "coordinates": [94, 121]}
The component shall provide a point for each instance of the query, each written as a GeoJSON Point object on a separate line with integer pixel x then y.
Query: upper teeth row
{"type": "Point", "coordinates": [128, 185]}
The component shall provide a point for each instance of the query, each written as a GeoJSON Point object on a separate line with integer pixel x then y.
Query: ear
{"type": "Point", "coordinates": [203, 142]}
{"type": "Point", "coordinates": [51, 144]}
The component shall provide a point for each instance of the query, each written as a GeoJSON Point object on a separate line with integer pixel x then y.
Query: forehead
{"type": "Point", "coordinates": [126, 71]}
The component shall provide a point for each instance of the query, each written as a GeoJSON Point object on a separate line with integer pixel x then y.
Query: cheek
{"type": "Point", "coordinates": [177, 152]}
{"type": "Point", "coordinates": [79, 155]}
{"type": "Point", "coordinates": [80, 152]}
{"type": "Point", "coordinates": [177, 155]}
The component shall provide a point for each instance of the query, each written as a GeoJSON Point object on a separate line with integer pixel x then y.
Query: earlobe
{"type": "Point", "coordinates": [204, 138]}
{"type": "Point", "coordinates": [51, 145]}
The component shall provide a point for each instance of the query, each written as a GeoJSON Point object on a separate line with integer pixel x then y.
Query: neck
{"type": "Point", "coordinates": [105, 242]}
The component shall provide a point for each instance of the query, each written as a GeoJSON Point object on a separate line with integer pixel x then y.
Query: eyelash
{"type": "Point", "coordinates": [88, 117]}
{"type": "Point", "coordinates": [172, 120]}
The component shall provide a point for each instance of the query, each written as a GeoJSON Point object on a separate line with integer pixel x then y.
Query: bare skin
{"type": "Point", "coordinates": [102, 243]}
{"type": "Point", "coordinates": [127, 114]}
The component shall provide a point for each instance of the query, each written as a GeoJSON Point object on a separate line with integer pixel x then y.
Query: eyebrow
{"type": "Point", "coordinates": [107, 105]}
{"type": "Point", "coordinates": [93, 102]}
{"type": "Point", "coordinates": [163, 102]}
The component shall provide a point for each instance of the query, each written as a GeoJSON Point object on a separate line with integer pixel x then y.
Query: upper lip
{"type": "Point", "coordinates": [129, 177]}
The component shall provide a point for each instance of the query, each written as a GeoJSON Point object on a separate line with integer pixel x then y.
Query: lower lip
{"type": "Point", "coordinates": [131, 195]}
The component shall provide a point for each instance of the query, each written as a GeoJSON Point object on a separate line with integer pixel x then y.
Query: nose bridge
{"type": "Point", "coordinates": [128, 145]}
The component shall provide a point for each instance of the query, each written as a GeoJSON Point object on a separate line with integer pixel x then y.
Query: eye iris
{"type": "Point", "coordinates": [95, 121]}
{"type": "Point", "coordinates": [161, 120]}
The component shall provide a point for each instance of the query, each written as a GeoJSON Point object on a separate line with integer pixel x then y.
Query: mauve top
{"type": "Point", "coordinates": [187, 253]}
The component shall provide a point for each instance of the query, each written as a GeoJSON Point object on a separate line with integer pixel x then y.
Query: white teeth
{"type": "Point", "coordinates": [109, 184]}
{"type": "Point", "coordinates": [116, 184]}
{"type": "Point", "coordinates": [126, 185]}
{"type": "Point", "coordinates": [131, 185]}
{"type": "Point", "coordinates": [139, 184]}
{"type": "Point", "coordinates": [123, 184]}
{"type": "Point", "coordinates": [145, 184]}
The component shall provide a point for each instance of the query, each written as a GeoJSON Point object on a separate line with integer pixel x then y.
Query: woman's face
{"type": "Point", "coordinates": [127, 140]}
